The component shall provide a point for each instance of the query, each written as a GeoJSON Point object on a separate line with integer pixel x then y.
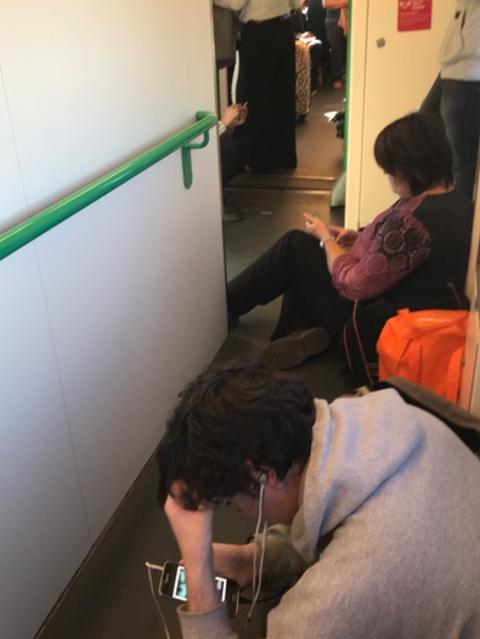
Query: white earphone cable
{"type": "Point", "coordinates": [256, 587]}
{"type": "Point", "coordinates": [151, 567]}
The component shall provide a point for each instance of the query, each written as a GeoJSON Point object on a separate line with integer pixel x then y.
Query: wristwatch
{"type": "Point", "coordinates": [327, 239]}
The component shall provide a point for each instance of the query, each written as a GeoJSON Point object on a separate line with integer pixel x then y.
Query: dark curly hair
{"type": "Point", "coordinates": [416, 149]}
{"type": "Point", "coordinates": [229, 423]}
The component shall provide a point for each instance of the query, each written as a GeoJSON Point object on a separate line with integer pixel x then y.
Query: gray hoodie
{"type": "Point", "coordinates": [460, 50]}
{"type": "Point", "coordinates": [399, 495]}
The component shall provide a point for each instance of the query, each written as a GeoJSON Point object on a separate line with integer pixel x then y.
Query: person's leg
{"type": "Point", "coordinates": [256, 60]}
{"type": "Point", "coordinates": [294, 263]}
{"type": "Point", "coordinates": [228, 157]}
{"type": "Point", "coordinates": [283, 143]}
{"type": "Point", "coordinates": [268, 277]}
{"type": "Point", "coordinates": [432, 101]}
{"type": "Point", "coordinates": [460, 109]}
{"type": "Point", "coordinates": [234, 154]}
{"type": "Point", "coordinates": [336, 40]}
{"type": "Point", "coordinates": [232, 162]}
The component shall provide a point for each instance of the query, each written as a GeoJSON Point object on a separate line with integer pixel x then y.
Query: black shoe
{"type": "Point", "coordinates": [292, 350]}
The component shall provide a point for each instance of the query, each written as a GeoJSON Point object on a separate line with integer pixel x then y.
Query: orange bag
{"type": "Point", "coordinates": [425, 347]}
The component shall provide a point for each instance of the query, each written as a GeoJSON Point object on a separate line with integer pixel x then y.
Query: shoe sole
{"type": "Point", "coordinates": [294, 349]}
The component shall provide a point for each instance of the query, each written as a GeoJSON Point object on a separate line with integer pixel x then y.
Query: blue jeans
{"type": "Point", "coordinates": [458, 103]}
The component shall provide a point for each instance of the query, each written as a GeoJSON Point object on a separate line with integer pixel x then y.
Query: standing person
{"type": "Point", "coordinates": [455, 94]}
{"type": "Point", "coordinates": [336, 40]}
{"type": "Point", "coordinates": [267, 72]}
{"type": "Point", "coordinates": [316, 25]}
{"type": "Point", "coordinates": [375, 503]}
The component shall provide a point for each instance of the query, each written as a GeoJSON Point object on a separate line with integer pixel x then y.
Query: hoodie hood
{"type": "Point", "coordinates": [358, 444]}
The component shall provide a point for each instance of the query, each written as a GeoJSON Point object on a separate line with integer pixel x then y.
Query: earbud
{"type": "Point", "coordinates": [262, 480]}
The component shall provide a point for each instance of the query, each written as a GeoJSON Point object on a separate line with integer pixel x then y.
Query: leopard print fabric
{"type": "Point", "coordinates": [302, 85]}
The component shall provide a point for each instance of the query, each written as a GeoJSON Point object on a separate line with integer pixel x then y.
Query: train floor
{"type": "Point", "coordinates": [109, 598]}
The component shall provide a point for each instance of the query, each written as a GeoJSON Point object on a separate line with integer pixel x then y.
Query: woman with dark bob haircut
{"type": "Point", "coordinates": [413, 255]}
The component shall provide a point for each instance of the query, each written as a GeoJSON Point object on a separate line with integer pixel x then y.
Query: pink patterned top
{"type": "Point", "coordinates": [388, 249]}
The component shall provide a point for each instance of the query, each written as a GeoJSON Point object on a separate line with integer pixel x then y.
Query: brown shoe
{"type": "Point", "coordinates": [294, 349]}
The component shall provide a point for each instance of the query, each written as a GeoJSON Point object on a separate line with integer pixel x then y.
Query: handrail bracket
{"type": "Point", "coordinates": [187, 158]}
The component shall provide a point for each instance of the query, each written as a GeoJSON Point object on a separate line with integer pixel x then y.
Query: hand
{"type": "Point", "coordinates": [234, 115]}
{"type": "Point", "coordinates": [192, 528]}
{"type": "Point", "coordinates": [344, 237]}
{"type": "Point", "coordinates": [235, 562]}
{"type": "Point", "coordinates": [242, 114]}
{"type": "Point", "coordinates": [316, 227]}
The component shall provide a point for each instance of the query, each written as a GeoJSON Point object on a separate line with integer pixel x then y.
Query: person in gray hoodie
{"type": "Point", "coordinates": [455, 94]}
{"type": "Point", "coordinates": [375, 505]}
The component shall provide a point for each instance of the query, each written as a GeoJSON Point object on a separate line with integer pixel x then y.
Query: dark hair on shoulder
{"type": "Point", "coordinates": [229, 423]}
{"type": "Point", "coordinates": [416, 149]}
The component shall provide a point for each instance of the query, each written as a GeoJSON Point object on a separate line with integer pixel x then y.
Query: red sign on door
{"type": "Point", "coordinates": [414, 15]}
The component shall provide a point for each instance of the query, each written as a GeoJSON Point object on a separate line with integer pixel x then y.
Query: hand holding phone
{"type": "Point", "coordinates": [173, 585]}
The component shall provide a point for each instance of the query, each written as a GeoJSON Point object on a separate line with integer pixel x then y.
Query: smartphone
{"type": "Point", "coordinates": [173, 584]}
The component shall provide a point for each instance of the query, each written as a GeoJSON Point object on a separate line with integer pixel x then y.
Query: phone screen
{"type": "Point", "coordinates": [180, 586]}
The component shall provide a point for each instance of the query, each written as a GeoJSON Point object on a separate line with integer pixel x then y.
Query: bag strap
{"type": "Point", "coordinates": [360, 344]}
{"type": "Point", "coordinates": [465, 425]}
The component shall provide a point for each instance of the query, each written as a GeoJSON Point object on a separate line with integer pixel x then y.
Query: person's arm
{"type": "Point", "coordinates": [316, 227]}
{"type": "Point", "coordinates": [203, 615]}
{"type": "Point", "coordinates": [283, 565]}
{"type": "Point", "coordinates": [193, 532]}
{"type": "Point", "coordinates": [387, 250]}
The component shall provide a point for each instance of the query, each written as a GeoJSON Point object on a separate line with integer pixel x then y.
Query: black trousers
{"type": "Point", "coordinates": [295, 267]}
{"type": "Point", "coordinates": [267, 83]}
{"type": "Point", "coordinates": [234, 154]}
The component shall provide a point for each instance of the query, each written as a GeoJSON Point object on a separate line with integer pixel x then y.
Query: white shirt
{"type": "Point", "coordinates": [259, 10]}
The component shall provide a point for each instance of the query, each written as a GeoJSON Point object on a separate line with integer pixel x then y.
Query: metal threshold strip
{"type": "Point", "coordinates": [282, 182]}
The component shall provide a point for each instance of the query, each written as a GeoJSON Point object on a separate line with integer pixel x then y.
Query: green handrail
{"type": "Point", "coordinates": [30, 229]}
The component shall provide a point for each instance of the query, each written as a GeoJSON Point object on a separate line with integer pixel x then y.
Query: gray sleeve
{"type": "Point", "coordinates": [212, 624]}
{"type": "Point", "coordinates": [282, 568]}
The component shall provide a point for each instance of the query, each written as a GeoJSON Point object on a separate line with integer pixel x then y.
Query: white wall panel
{"type": "Point", "coordinates": [43, 532]}
{"type": "Point", "coordinates": [12, 200]}
{"type": "Point", "coordinates": [145, 288]}
{"type": "Point", "coordinates": [92, 83]}
{"type": "Point", "coordinates": [126, 301]}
